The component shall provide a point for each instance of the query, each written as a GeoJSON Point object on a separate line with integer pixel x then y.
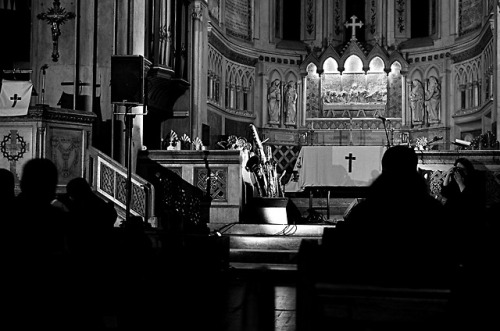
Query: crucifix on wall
{"type": "Point", "coordinates": [56, 16]}
{"type": "Point", "coordinates": [353, 25]}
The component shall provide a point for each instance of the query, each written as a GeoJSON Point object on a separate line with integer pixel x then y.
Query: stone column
{"type": "Point", "coordinates": [496, 95]}
{"type": "Point", "coordinates": [404, 97]}
{"type": "Point", "coordinates": [199, 68]}
{"type": "Point", "coordinates": [302, 112]}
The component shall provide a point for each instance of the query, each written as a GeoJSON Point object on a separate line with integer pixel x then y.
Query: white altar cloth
{"type": "Point", "coordinates": [336, 166]}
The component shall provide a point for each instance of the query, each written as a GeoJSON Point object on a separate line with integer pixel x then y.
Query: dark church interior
{"type": "Point", "coordinates": [250, 165]}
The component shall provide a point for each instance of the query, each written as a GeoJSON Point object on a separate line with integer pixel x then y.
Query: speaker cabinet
{"type": "Point", "coordinates": [128, 79]}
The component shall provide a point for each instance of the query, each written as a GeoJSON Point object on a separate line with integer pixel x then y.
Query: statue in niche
{"type": "Point", "coordinates": [433, 99]}
{"type": "Point", "coordinates": [417, 101]}
{"type": "Point", "coordinates": [291, 103]}
{"type": "Point", "coordinates": [274, 102]}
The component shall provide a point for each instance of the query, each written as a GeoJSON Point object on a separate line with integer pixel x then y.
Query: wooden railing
{"type": "Point", "coordinates": [109, 179]}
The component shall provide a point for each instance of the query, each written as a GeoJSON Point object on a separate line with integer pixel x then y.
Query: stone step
{"type": "Point", "coordinates": [284, 256]}
{"type": "Point", "coordinates": [264, 242]}
{"type": "Point", "coordinates": [270, 272]}
{"type": "Point", "coordinates": [301, 230]}
{"type": "Point", "coordinates": [268, 247]}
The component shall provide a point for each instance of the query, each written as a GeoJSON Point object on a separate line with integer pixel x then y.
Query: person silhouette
{"type": "Point", "coordinates": [397, 235]}
{"type": "Point", "coordinates": [37, 265]}
{"type": "Point", "coordinates": [92, 244]}
{"type": "Point", "coordinates": [7, 190]}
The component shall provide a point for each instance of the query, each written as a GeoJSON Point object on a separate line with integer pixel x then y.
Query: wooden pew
{"type": "Point", "coordinates": [324, 304]}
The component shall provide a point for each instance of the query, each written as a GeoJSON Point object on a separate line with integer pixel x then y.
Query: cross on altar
{"type": "Point", "coordinates": [350, 158]}
{"type": "Point", "coordinates": [353, 25]}
{"type": "Point", "coordinates": [15, 98]}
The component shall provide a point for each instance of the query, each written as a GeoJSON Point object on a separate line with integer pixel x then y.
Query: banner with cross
{"type": "Point", "coordinates": [338, 165]}
{"type": "Point", "coordinates": [15, 97]}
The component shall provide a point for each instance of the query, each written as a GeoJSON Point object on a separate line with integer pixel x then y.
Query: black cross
{"type": "Point", "coordinates": [15, 98]}
{"type": "Point", "coordinates": [350, 158]}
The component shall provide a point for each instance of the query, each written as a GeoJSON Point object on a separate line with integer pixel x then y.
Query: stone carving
{"type": "Point", "coordinates": [356, 94]}
{"type": "Point", "coordinates": [274, 102]}
{"type": "Point", "coordinates": [417, 101]}
{"type": "Point", "coordinates": [291, 103]}
{"type": "Point", "coordinates": [433, 99]}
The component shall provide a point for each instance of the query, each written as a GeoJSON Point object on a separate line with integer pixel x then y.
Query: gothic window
{"type": "Point", "coordinates": [226, 96]}
{"type": "Point", "coordinates": [245, 98]}
{"type": "Point", "coordinates": [217, 90]}
{"type": "Point", "coordinates": [463, 96]}
{"type": "Point", "coordinates": [424, 18]}
{"type": "Point", "coordinates": [209, 85]}
{"type": "Point", "coordinates": [288, 19]}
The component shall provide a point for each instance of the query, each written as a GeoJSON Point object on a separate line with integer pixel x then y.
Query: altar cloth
{"type": "Point", "coordinates": [319, 166]}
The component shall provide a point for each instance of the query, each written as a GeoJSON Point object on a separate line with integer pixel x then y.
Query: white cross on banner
{"type": "Point", "coordinates": [339, 165]}
{"type": "Point", "coordinates": [15, 97]}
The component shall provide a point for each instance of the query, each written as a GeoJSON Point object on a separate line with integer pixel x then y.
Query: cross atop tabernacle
{"type": "Point", "coordinates": [353, 25]}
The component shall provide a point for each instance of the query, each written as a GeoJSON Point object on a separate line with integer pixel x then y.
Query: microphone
{"type": "Point", "coordinates": [382, 118]}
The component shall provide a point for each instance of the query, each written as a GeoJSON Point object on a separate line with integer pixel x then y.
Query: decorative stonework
{"type": "Point", "coordinates": [229, 53]}
{"type": "Point", "coordinates": [373, 17]}
{"type": "Point", "coordinates": [401, 19]}
{"type": "Point", "coordinates": [337, 13]}
{"type": "Point", "coordinates": [216, 182]}
{"type": "Point", "coordinates": [197, 13]}
{"type": "Point", "coordinates": [310, 17]}
{"type": "Point", "coordinates": [473, 51]}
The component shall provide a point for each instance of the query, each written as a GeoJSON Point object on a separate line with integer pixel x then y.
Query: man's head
{"type": "Point", "coordinates": [39, 179]}
{"type": "Point", "coordinates": [399, 159]}
{"type": "Point", "coordinates": [78, 188]}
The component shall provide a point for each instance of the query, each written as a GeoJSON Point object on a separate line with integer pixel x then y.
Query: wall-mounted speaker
{"type": "Point", "coordinates": [128, 79]}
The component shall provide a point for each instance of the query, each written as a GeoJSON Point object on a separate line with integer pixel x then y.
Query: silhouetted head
{"type": "Point", "coordinates": [7, 184]}
{"type": "Point", "coordinates": [399, 159]}
{"type": "Point", "coordinates": [78, 188]}
{"type": "Point", "coordinates": [39, 180]}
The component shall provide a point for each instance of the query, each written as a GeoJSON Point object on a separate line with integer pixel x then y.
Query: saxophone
{"type": "Point", "coordinates": [259, 168]}
{"type": "Point", "coordinates": [259, 148]}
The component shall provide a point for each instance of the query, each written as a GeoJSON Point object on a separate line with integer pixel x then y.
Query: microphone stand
{"type": "Point", "coordinates": [386, 132]}
{"type": "Point", "coordinates": [44, 68]}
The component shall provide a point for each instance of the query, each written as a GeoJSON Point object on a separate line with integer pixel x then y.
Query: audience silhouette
{"type": "Point", "coordinates": [464, 192]}
{"type": "Point", "coordinates": [397, 235]}
{"type": "Point", "coordinates": [38, 273]}
{"type": "Point", "coordinates": [7, 190]}
{"type": "Point", "coordinates": [92, 218]}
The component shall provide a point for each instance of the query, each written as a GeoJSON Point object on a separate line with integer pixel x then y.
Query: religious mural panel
{"type": "Point", "coordinates": [470, 13]}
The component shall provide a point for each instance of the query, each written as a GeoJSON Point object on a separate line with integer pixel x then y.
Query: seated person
{"type": "Point", "coordinates": [397, 236]}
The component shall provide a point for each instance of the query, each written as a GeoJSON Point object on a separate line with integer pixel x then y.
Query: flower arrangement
{"type": "Point", "coordinates": [421, 143]}
{"type": "Point", "coordinates": [234, 142]}
{"type": "Point", "coordinates": [185, 142]}
{"type": "Point", "coordinates": [197, 143]}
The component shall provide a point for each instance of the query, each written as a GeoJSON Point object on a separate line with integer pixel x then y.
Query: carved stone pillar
{"type": "Point", "coordinates": [198, 67]}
